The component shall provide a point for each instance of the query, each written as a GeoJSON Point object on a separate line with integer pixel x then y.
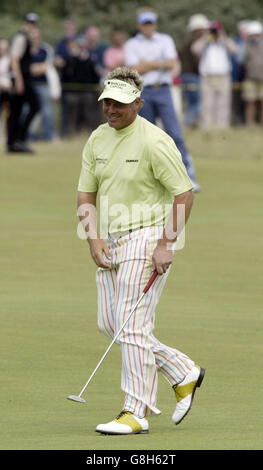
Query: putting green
{"type": "Point", "coordinates": [211, 307]}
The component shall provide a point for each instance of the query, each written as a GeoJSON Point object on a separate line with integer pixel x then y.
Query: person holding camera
{"type": "Point", "coordinates": [214, 48]}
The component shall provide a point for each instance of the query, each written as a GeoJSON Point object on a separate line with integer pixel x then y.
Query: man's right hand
{"type": "Point", "coordinates": [98, 248]}
{"type": "Point", "coordinates": [19, 86]}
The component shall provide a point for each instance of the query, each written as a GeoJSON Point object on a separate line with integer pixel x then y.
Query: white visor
{"type": "Point", "coordinates": [119, 90]}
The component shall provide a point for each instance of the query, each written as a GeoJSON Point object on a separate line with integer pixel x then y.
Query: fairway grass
{"type": "Point", "coordinates": [211, 307]}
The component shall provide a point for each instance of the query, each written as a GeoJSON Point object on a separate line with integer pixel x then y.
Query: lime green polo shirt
{"type": "Point", "coordinates": [136, 172]}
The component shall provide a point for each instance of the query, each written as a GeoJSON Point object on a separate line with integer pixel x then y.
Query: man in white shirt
{"type": "Point", "coordinates": [214, 49]}
{"type": "Point", "coordinates": [153, 55]}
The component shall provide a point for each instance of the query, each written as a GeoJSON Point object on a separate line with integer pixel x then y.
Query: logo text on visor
{"type": "Point", "coordinates": [120, 91]}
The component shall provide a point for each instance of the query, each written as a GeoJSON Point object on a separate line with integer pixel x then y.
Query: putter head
{"type": "Point", "coordinates": [76, 398]}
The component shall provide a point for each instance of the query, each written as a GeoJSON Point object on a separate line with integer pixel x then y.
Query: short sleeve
{"type": "Point", "coordinates": [131, 52]}
{"type": "Point", "coordinates": [87, 180]}
{"type": "Point", "coordinates": [168, 167]}
{"type": "Point", "coordinates": [170, 51]}
{"type": "Point", "coordinates": [18, 46]}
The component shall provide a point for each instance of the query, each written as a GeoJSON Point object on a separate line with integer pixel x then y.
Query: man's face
{"type": "Point", "coordinates": [30, 27]}
{"type": "Point", "coordinates": [120, 115]}
{"type": "Point", "coordinates": [117, 38]}
{"type": "Point", "coordinates": [70, 28]}
{"type": "Point", "coordinates": [147, 29]}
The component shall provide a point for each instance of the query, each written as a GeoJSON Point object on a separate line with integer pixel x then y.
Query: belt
{"type": "Point", "coordinates": [156, 85]}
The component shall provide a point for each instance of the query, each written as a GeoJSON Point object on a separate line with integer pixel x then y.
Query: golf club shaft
{"type": "Point", "coordinates": [150, 282]}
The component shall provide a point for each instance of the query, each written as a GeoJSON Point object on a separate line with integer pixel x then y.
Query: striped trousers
{"type": "Point", "coordinates": [118, 290]}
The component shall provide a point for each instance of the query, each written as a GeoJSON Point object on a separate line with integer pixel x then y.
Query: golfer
{"type": "Point", "coordinates": [132, 184]}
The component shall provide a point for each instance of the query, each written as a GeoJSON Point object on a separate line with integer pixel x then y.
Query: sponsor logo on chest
{"type": "Point", "coordinates": [103, 161]}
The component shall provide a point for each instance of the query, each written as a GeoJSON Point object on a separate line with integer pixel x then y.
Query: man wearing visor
{"type": "Point", "coordinates": [153, 55]}
{"type": "Point", "coordinates": [131, 185]}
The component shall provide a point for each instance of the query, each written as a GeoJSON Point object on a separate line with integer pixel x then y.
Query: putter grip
{"type": "Point", "coordinates": [150, 282]}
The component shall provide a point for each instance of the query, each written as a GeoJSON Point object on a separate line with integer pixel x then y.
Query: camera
{"type": "Point", "coordinates": [215, 28]}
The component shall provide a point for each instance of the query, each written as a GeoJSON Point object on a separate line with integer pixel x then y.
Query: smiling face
{"type": "Point", "coordinates": [120, 115]}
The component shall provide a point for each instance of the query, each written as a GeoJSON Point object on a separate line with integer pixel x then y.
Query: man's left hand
{"type": "Point", "coordinates": [162, 257]}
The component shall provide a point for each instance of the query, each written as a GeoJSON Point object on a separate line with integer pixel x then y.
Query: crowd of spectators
{"type": "Point", "coordinates": [50, 91]}
{"type": "Point", "coordinates": [222, 76]}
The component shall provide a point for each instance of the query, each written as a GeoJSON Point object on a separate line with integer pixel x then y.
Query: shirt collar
{"type": "Point", "coordinates": [141, 36]}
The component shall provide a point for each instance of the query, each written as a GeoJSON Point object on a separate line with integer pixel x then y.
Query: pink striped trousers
{"type": "Point", "coordinates": [118, 290]}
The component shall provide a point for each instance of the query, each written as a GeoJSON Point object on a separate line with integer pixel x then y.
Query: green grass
{"type": "Point", "coordinates": [211, 307]}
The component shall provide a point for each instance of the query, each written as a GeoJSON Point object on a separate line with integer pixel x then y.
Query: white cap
{"type": "Point", "coordinates": [31, 17]}
{"type": "Point", "coordinates": [198, 21]}
{"type": "Point", "coordinates": [243, 24]}
{"type": "Point", "coordinates": [147, 17]}
{"type": "Point", "coordinates": [254, 27]}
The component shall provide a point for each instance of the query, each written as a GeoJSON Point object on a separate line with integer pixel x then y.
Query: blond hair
{"type": "Point", "coordinates": [126, 75]}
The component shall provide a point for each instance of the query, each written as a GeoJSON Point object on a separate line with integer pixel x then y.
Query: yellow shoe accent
{"type": "Point", "coordinates": [126, 417]}
{"type": "Point", "coordinates": [184, 390]}
{"type": "Point", "coordinates": [185, 393]}
{"type": "Point", "coordinates": [125, 423]}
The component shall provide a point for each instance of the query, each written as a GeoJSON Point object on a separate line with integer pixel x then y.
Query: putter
{"type": "Point", "coordinates": [79, 398]}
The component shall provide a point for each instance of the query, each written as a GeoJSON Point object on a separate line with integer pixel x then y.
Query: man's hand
{"type": "Point", "coordinates": [147, 65]}
{"type": "Point", "coordinates": [87, 215]}
{"type": "Point", "coordinates": [19, 81]}
{"type": "Point", "coordinates": [162, 257]}
{"type": "Point", "coordinates": [19, 86]}
{"type": "Point", "coordinates": [39, 68]}
{"type": "Point", "coordinates": [59, 62]}
{"type": "Point", "coordinates": [98, 248]}
{"type": "Point", "coordinates": [163, 253]}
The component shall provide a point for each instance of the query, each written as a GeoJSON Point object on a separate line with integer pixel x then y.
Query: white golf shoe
{"type": "Point", "coordinates": [125, 423]}
{"type": "Point", "coordinates": [185, 391]}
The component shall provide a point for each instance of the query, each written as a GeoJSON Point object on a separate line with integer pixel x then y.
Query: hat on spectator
{"type": "Point", "coordinates": [146, 17]}
{"type": "Point", "coordinates": [243, 24]}
{"type": "Point", "coordinates": [254, 27]}
{"type": "Point", "coordinates": [31, 17]}
{"type": "Point", "coordinates": [198, 21]}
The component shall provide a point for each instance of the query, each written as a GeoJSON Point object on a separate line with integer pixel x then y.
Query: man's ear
{"type": "Point", "coordinates": [138, 103]}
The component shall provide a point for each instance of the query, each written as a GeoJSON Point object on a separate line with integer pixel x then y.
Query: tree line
{"type": "Point", "coordinates": [121, 14]}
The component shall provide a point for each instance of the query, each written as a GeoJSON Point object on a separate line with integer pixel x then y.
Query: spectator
{"type": "Point", "coordinates": [96, 49]}
{"type": "Point", "coordinates": [253, 65]}
{"type": "Point", "coordinates": [5, 79]}
{"type": "Point", "coordinates": [80, 81]}
{"type": "Point", "coordinates": [41, 59]}
{"type": "Point", "coordinates": [5, 82]}
{"type": "Point", "coordinates": [197, 25]}
{"type": "Point", "coordinates": [153, 55]}
{"type": "Point", "coordinates": [114, 55]}
{"type": "Point", "coordinates": [176, 92]}
{"type": "Point", "coordinates": [23, 90]}
{"type": "Point", "coordinates": [238, 104]}
{"type": "Point", "coordinates": [61, 56]}
{"type": "Point", "coordinates": [214, 49]}
{"type": "Point", "coordinates": [61, 50]}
